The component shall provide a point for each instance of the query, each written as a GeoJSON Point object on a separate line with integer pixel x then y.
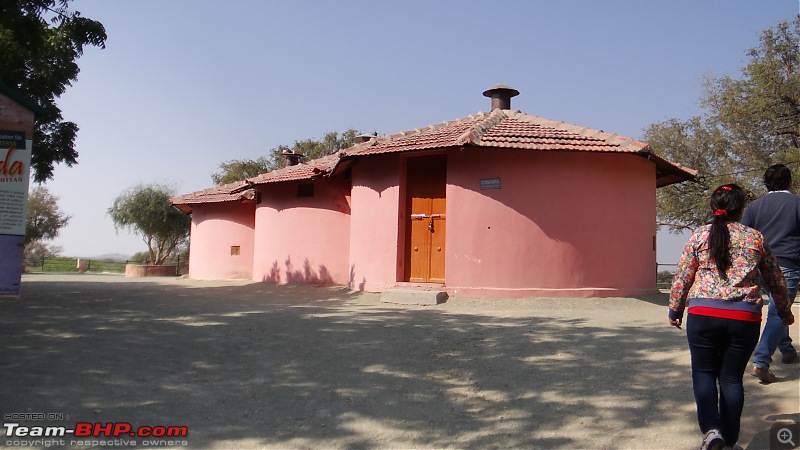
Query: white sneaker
{"type": "Point", "coordinates": [713, 441]}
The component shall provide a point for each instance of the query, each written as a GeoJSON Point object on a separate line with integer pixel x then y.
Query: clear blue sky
{"type": "Point", "coordinates": [185, 85]}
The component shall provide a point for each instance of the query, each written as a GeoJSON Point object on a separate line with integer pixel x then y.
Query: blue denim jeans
{"type": "Point", "coordinates": [776, 334]}
{"type": "Point", "coordinates": [720, 349]}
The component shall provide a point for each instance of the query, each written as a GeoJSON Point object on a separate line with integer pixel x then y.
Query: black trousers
{"type": "Point", "coordinates": [720, 350]}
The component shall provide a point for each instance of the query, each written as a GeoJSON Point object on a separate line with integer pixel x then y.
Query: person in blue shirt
{"type": "Point", "coordinates": [777, 216]}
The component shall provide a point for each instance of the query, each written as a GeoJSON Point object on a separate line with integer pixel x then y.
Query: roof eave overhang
{"type": "Point", "coordinates": [185, 207]}
{"type": "Point", "coordinates": [247, 185]}
{"type": "Point", "coordinates": [668, 173]}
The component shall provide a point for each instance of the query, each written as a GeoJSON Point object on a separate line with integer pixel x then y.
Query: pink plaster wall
{"type": "Point", "coordinates": [303, 239]}
{"type": "Point", "coordinates": [562, 224]}
{"type": "Point", "coordinates": [215, 228]}
{"type": "Point", "coordinates": [375, 260]}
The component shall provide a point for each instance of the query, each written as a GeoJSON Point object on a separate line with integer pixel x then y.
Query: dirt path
{"type": "Point", "coordinates": [253, 365]}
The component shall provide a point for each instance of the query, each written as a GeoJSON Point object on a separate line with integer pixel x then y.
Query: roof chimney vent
{"type": "Point", "coordinates": [501, 96]}
{"type": "Point", "coordinates": [292, 158]}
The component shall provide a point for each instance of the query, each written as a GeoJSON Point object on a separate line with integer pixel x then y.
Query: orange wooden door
{"type": "Point", "coordinates": [426, 207]}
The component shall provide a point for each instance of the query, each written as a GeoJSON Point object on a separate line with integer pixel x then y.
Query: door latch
{"type": "Point", "coordinates": [430, 225]}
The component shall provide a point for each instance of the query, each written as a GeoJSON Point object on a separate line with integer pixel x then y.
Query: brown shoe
{"type": "Point", "coordinates": [764, 375]}
{"type": "Point", "coordinates": [791, 358]}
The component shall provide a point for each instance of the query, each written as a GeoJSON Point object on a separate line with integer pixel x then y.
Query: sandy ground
{"type": "Point", "coordinates": [252, 365]}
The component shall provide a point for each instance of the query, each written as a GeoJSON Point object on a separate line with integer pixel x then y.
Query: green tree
{"type": "Point", "coordinates": [331, 142]}
{"type": "Point", "coordinates": [237, 170]}
{"type": "Point", "coordinates": [37, 251]}
{"type": "Point", "coordinates": [45, 219]}
{"type": "Point", "coordinates": [181, 254]}
{"type": "Point", "coordinates": [145, 210]}
{"type": "Point", "coordinates": [748, 124]}
{"type": "Point", "coordinates": [40, 41]}
{"type": "Point", "coordinates": [141, 256]}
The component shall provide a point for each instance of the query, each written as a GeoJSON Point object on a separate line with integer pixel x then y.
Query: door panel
{"type": "Point", "coordinates": [436, 271]}
{"type": "Point", "coordinates": [420, 251]}
{"type": "Point", "coordinates": [426, 207]}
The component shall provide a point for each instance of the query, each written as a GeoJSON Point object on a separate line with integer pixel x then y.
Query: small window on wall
{"type": "Point", "coordinates": [305, 190]}
{"type": "Point", "coordinates": [258, 198]}
{"type": "Point", "coordinates": [236, 250]}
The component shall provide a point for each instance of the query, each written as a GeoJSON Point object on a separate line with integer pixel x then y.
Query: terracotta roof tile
{"type": "Point", "coordinates": [499, 128]}
{"type": "Point", "coordinates": [502, 128]}
{"type": "Point", "coordinates": [434, 136]}
{"type": "Point", "coordinates": [302, 171]}
{"type": "Point", "coordinates": [226, 193]}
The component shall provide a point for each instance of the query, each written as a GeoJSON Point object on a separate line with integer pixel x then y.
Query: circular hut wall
{"type": "Point", "coordinates": [566, 224]}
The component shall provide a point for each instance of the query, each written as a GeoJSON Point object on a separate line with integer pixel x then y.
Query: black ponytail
{"type": "Point", "coordinates": [727, 202]}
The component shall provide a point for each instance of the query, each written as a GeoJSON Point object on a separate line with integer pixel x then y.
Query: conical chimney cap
{"type": "Point", "coordinates": [501, 96]}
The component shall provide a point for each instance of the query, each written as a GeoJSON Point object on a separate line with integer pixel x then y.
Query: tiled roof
{"type": "Point", "coordinates": [231, 192]}
{"type": "Point", "coordinates": [303, 171]}
{"type": "Point", "coordinates": [500, 129]}
{"type": "Point", "coordinates": [514, 129]}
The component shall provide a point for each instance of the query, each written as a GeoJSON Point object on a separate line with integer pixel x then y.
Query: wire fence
{"type": "Point", "coordinates": [664, 274]}
{"type": "Point", "coordinates": [76, 265]}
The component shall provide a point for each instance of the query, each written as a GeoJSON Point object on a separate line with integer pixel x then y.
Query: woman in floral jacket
{"type": "Point", "coordinates": [718, 278]}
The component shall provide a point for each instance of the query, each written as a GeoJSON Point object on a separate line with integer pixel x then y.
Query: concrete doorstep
{"type": "Point", "coordinates": [409, 296]}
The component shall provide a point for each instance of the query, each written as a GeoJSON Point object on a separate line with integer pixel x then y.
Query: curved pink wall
{"type": "Point", "coordinates": [562, 224]}
{"type": "Point", "coordinates": [303, 239]}
{"type": "Point", "coordinates": [215, 228]}
{"type": "Point", "coordinates": [374, 223]}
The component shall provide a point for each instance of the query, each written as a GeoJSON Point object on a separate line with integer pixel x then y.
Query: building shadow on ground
{"type": "Point", "coordinates": [306, 366]}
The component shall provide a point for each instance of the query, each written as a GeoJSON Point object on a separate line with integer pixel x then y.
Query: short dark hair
{"type": "Point", "coordinates": [777, 177]}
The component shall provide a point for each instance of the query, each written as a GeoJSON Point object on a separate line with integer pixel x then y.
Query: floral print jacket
{"type": "Point", "coordinates": [697, 277]}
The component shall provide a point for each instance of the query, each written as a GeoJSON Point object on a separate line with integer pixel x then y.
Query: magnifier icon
{"type": "Point", "coordinates": [785, 436]}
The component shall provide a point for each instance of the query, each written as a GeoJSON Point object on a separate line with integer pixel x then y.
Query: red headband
{"type": "Point", "coordinates": [727, 188]}
{"type": "Point", "coordinates": [721, 212]}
